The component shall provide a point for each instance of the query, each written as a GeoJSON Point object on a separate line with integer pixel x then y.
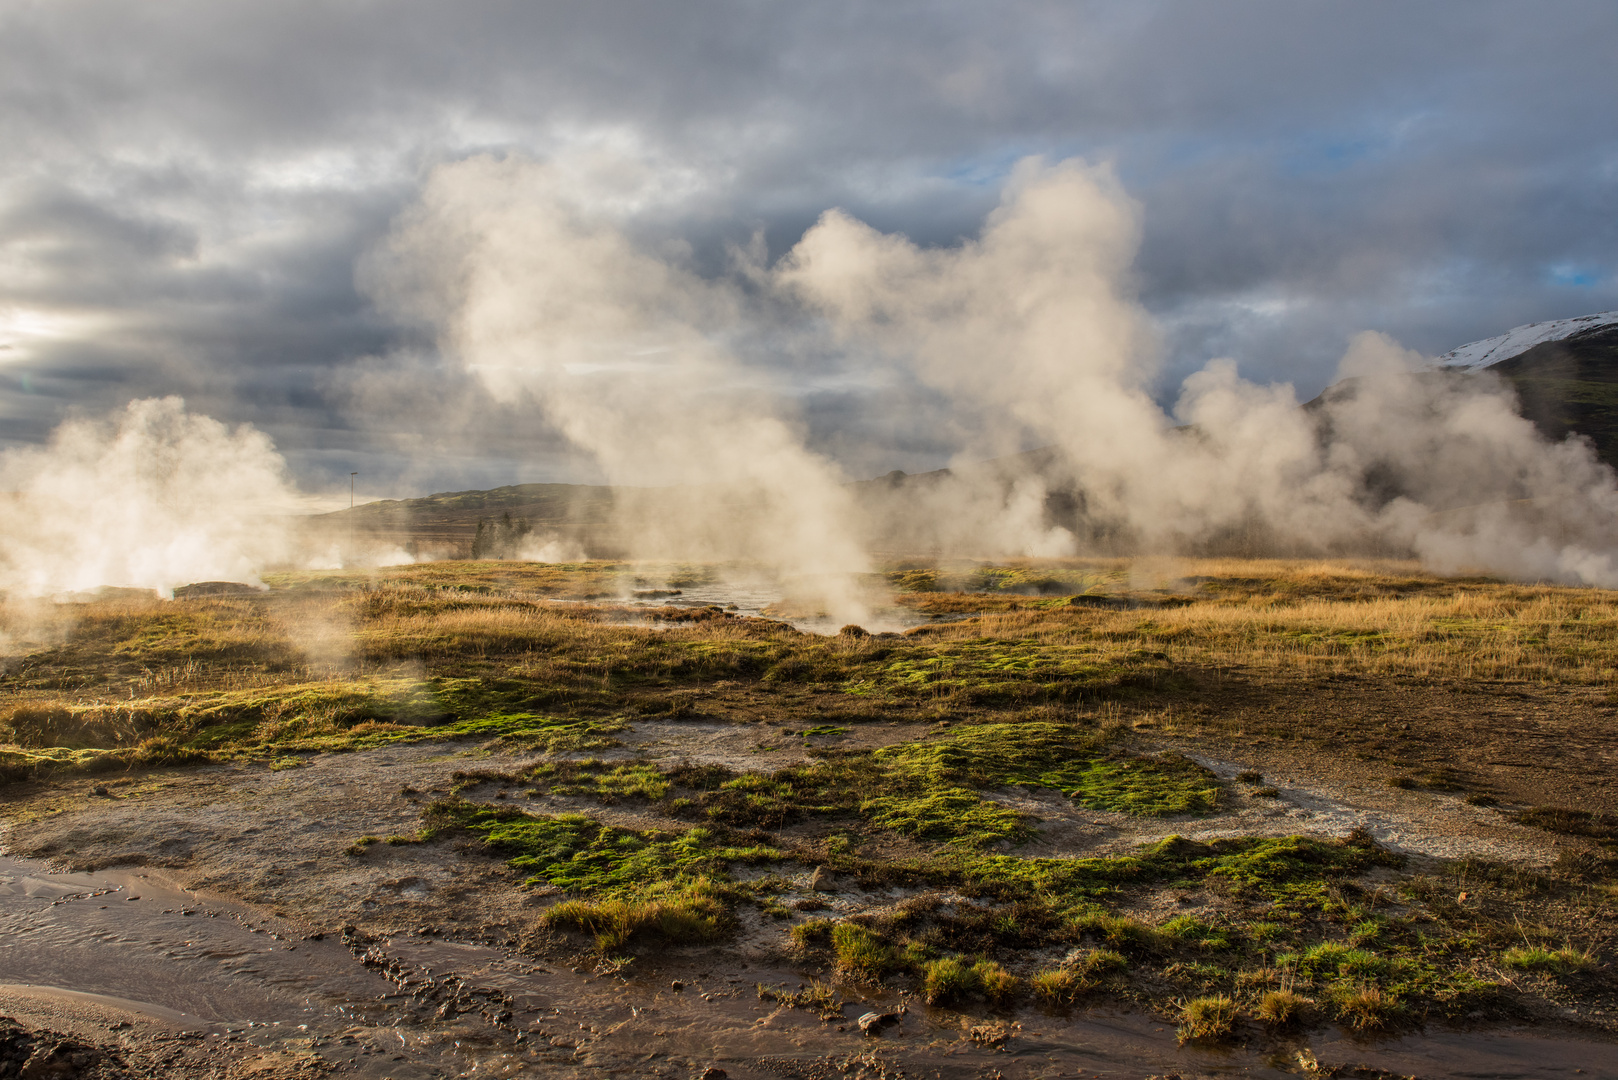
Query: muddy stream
{"type": "Point", "coordinates": [413, 1006]}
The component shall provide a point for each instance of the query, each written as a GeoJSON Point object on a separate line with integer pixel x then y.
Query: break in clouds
{"type": "Point", "coordinates": [1030, 331]}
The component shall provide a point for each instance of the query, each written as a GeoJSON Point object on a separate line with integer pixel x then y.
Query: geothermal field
{"type": "Point", "coordinates": [1132, 816]}
{"type": "Point", "coordinates": [730, 540]}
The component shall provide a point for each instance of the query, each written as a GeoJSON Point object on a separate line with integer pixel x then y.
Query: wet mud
{"type": "Point", "coordinates": [216, 913]}
{"type": "Point", "coordinates": [130, 961]}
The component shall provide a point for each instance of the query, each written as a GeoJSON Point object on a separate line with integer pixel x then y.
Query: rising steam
{"type": "Point", "coordinates": [151, 497]}
{"type": "Point", "coordinates": [1032, 329]}
{"type": "Point", "coordinates": [624, 353]}
{"type": "Point", "coordinates": [1035, 318]}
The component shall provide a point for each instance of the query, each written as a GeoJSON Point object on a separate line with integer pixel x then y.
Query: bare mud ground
{"type": "Point", "coordinates": [211, 921]}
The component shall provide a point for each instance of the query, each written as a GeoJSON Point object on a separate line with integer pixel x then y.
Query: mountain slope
{"type": "Point", "coordinates": [1477, 355]}
{"type": "Point", "coordinates": [1565, 372]}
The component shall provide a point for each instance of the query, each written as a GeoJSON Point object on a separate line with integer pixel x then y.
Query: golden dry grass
{"type": "Point", "coordinates": [1331, 619]}
{"type": "Point", "coordinates": [1288, 621]}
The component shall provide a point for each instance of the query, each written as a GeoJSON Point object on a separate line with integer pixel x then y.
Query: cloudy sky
{"type": "Point", "coordinates": [190, 193]}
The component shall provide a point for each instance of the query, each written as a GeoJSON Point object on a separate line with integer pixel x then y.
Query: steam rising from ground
{"type": "Point", "coordinates": [1032, 325]}
{"type": "Point", "coordinates": [151, 497]}
{"type": "Point", "coordinates": [522, 277]}
{"type": "Point", "coordinates": [625, 354]}
{"type": "Point", "coordinates": [1035, 318]}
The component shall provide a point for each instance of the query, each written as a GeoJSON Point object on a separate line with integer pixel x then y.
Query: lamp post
{"type": "Point", "coordinates": [351, 513]}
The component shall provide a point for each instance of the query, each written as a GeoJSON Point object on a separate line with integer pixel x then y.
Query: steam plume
{"type": "Point", "coordinates": [1036, 319]}
{"type": "Point", "coordinates": [624, 353]}
{"type": "Point", "coordinates": [151, 497]}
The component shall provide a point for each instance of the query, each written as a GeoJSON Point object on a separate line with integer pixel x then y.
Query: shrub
{"type": "Point", "coordinates": [1207, 1018]}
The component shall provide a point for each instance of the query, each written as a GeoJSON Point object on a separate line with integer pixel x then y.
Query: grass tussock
{"type": "Point", "coordinates": [1562, 961]}
{"type": "Point", "coordinates": [817, 997]}
{"type": "Point", "coordinates": [695, 912]}
{"type": "Point", "coordinates": [861, 953]}
{"type": "Point", "coordinates": [1059, 986]}
{"type": "Point", "coordinates": [951, 980]}
{"type": "Point", "coordinates": [1365, 1007]}
{"type": "Point", "coordinates": [1207, 1019]}
{"type": "Point", "coordinates": [1280, 1008]}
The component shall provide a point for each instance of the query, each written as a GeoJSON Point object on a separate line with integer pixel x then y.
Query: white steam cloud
{"type": "Point", "coordinates": [151, 497]}
{"type": "Point", "coordinates": [1033, 327]}
{"type": "Point", "coordinates": [625, 354]}
{"type": "Point", "coordinates": [1035, 320]}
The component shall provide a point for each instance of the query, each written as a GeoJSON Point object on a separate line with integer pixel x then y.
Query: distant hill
{"type": "Point", "coordinates": [1477, 355]}
{"type": "Point", "coordinates": [1570, 385]}
{"type": "Point", "coordinates": [445, 524]}
{"type": "Point", "coordinates": [1565, 372]}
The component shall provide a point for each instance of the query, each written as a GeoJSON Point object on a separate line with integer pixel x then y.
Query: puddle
{"type": "Point", "coordinates": [404, 1005]}
{"type": "Point", "coordinates": [756, 599]}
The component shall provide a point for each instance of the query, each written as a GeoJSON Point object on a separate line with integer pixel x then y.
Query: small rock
{"type": "Point", "coordinates": [131, 898]}
{"type": "Point", "coordinates": [713, 1072]}
{"type": "Point", "coordinates": [874, 1019]}
{"type": "Point", "coordinates": [99, 789]}
{"type": "Point", "coordinates": [677, 985]}
{"type": "Point", "coordinates": [821, 881]}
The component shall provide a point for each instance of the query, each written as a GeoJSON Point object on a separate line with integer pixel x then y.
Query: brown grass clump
{"type": "Point", "coordinates": [1365, 1008]}
{"type": "Point", "coordinates": [695, 914]}
{"type": "Point", "coordinates": [1279, 1008]}
{"type": "Point", "coordinates": [1060, 986]}
{"type": "Point", "coordinates": [1209, 1018]}
{"type": "Point", "coordinates": [997, 985]}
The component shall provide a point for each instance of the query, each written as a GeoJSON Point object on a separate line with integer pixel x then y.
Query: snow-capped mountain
{"type": "Point", "coordinates": [1481, 354]}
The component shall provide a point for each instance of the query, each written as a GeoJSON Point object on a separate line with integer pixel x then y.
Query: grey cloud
{"type": "Point", "coordinates": [204, 178]}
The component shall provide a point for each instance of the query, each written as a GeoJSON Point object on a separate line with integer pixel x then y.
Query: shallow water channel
{"type": "Point", "coordinates": [413, 1006]}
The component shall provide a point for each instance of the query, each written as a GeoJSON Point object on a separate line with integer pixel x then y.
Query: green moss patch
{"type": "Point", "coordinates": [583, 856]}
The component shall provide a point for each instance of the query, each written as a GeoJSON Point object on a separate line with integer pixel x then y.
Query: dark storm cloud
{"type": "Point", "coordinates": [187, 188]}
